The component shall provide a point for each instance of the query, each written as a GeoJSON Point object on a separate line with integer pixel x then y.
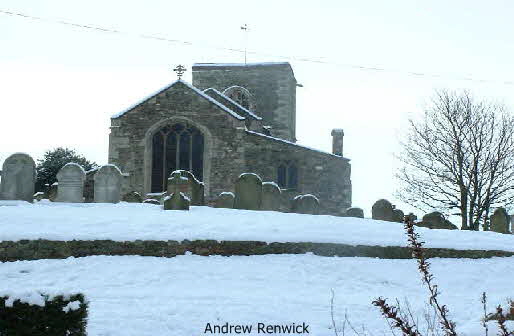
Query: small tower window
{"type": "Point", "coordinates": [287, 175]}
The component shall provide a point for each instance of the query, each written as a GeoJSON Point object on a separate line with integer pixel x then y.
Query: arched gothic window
{"type": "Point", "coordinates": [287, 175]}
{"type": "Point", "coordinates": [241, 96]}
{"type": "Point", "coordinates": [177, 146]}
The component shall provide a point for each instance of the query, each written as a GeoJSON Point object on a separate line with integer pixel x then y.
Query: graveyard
{"type": "Point", "coordinates": [175, 264]}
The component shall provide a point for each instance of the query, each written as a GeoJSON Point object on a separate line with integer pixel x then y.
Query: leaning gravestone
{"type": "Point", "coordinates": [151, 201]}
{"type": "Point", "coordinates": [132, 197]}
{"type": "Point", "coordinates": [382, 210]}
{"type": "Point", "coordinates": [196, 188]}
{"type": "Point", "coordinates": [108, 181]}
{"type": "Point", "coordinates": [248, 192]}
{"type": "Point", "coordinates": [436, 220]}
{"type": "Point", "coordinates": [306, 204]}
{"type": "Point", "coordinates": [354, 212]}
{"type": "Point", "coordinates": [270, 196]}
{"type": "Point", "coordinates": [71, 183]}
{"type": "Point", "coordinates": [225, 200]}
{"type": "Point", "coordinates": [39, 196]}
{"type": "Point", "coordinates": [177, 201]}
{"type": "Point", "coordinates": [500, 221]}
{"type": "Point", "coordinates": [398, 215]}
{"type": "Point", "coordinates": [18, 178]}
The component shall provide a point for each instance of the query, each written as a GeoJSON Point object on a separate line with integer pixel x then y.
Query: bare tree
{"type": "Point", "coordinates": [459, 158]}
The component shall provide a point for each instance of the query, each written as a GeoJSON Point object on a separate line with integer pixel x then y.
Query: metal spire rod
{"type": "Point", "coordinates": [246, 29]}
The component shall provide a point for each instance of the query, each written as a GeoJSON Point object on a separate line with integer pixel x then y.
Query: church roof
{"type": "Point", "coordinates": [208, 65]}
{"type": "Point", "coordinates": [197, 91]}
{"type": "Point", "coordinates": [233, 66]}
{"type": "Point", "coordinates": [293, 144]}
{"type": "Point", "coordinates": [230, 103]}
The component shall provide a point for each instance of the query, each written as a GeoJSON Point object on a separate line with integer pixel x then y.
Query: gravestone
{"type": "Point", "coordinates": [151, 201]}
{"type": "Point", "coordinates": [71, 183]}
{"type": "Point", "coordinates": [177, 201]}
{"type": "Point", "coordinates": [108, 181]}
{"type": "Point", "coordinates": [39, 196]}
{"type": "Point", "coordinates": [196, 188]}
{"type": "Point", "coordinates": [89, 186]}
{"type": "Point", "coordinates": [306, 204]}
{"type": "Point", "coordinates": [178, 184]}
{"type": "Point", "coordinates": [225, 200]}
{"type": "Point", "coordinates": [436, 220]}
{"type": "Point", "coordinates": [500, 221]}
{"type": "Point", "coordinates": [354, 212]}
{"type": "Point", "coordinates": [18, 178]}
{"type": "Point", "coordinates": [132, 197]}
{"type": "Point", "coordinates": [52, 192]}
{"type": "Point", "coordinates": [270, 196]}
{"type": "Point", "coordinates": [248, 192]}
{"type": "Point", "coordinates": [382, 210]}
{"type": "Point", "coordinates": [398, 215]}
{"type": "Point", "coordinates": [412, 217]}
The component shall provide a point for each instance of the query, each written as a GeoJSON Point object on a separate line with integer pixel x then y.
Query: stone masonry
{"type": "Point", "coordinates": [234, 143]}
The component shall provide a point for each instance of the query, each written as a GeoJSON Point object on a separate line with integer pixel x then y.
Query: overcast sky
{"type": "Point", "coordinates": [60, 84]}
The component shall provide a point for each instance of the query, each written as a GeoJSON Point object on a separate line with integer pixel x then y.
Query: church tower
{"type": "Point", "coordinates": [266, 89]}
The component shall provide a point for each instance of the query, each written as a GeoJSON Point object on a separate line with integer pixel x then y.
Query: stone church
{"type": "Point", "coordinates": [233, 118]}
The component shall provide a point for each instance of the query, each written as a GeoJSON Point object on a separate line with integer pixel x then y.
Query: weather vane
{"type": "Point", "coordinates": [246, 29]}
{"type": "Point", "coordinates": [180, 69]}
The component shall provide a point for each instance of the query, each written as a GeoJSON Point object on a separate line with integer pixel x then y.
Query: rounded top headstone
{"type": "Point", "coordinates": [71, 170]}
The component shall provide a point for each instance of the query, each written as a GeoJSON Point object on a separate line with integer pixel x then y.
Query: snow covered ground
{"type": "Point", "coordinates": [140, 296]}
{"type": "Point", "coordinates": [132, 221]}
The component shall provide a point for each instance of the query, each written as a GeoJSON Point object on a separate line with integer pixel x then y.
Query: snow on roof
{"type": "Point", "coordinates": [295, 144]}
{"type": "Point", "coordinates": [238, 64]}
{"type": "Point", "coordinates": [199, 92]}
{"type": "Point", "coordinates": [234, 102]}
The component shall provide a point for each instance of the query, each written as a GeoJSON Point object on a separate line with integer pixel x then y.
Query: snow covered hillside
{"type": "Point", "coordinates": [133, 221]}
{"type": "Point", "coordinates": [139, 296]}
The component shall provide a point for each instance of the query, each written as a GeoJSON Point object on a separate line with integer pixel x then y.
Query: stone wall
{"type": "Point", "coordinates": [46, 249]}
{"type": "Point", "coordinates": [272, 85]}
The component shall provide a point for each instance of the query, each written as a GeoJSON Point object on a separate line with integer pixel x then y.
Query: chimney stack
{"type": "Point", "coordinates": [337, 141]}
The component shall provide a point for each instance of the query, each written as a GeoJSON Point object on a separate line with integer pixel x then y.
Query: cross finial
{"type": "Point", "coordinates": [180, 69]}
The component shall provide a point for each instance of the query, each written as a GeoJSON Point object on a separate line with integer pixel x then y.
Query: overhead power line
{"type": "Point", "coordinates": [257, 53]}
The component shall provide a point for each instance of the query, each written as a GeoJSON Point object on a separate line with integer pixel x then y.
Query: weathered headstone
{"type": "Point", "coordinates": [196, 188]}
{"type": "Point", "coordinates": [382, 210]}
{"type": "Point", "coordinates": [398, 215]}
{"type": "Point", "coordinates": [225, 200]}
{"type": "Point", "coordinates": [71, 183]}
{"type": "Point", "coordinates": [89, 185]}
{"type": "Point", "coordinates": [354, 212]}
{"type": "Point", "coordinates": [108, 181]}
{"type": "Point", "coordinates": [178, 184]}
{"type": "Point", "coordinates": [270, 196]}
{"type": "Point", "coordinates": [306, 204]}
{"type": "Point", "coordinates": [39, 196]}
{"type": "Point", "coordinates": [157, 196]}
{"type": "Point", "coordinates": [132, 197]}
{"type": "Point", "coordinates": [18, 178]}
{"type": "Point", "coordinates": [151, 201]}
{"type": "Point", "coordinates": [412, 217]}
{"type": "Point", "coordinates": [436, 220]}
{"type": "Point", "coordinates": [248, 192]}
{"type": "Point", "coordinates": [176, 201]}
{"type": "Point", "coordinates": [500, 221]}
{"type": "Point", "coordinates": [52, 192]}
